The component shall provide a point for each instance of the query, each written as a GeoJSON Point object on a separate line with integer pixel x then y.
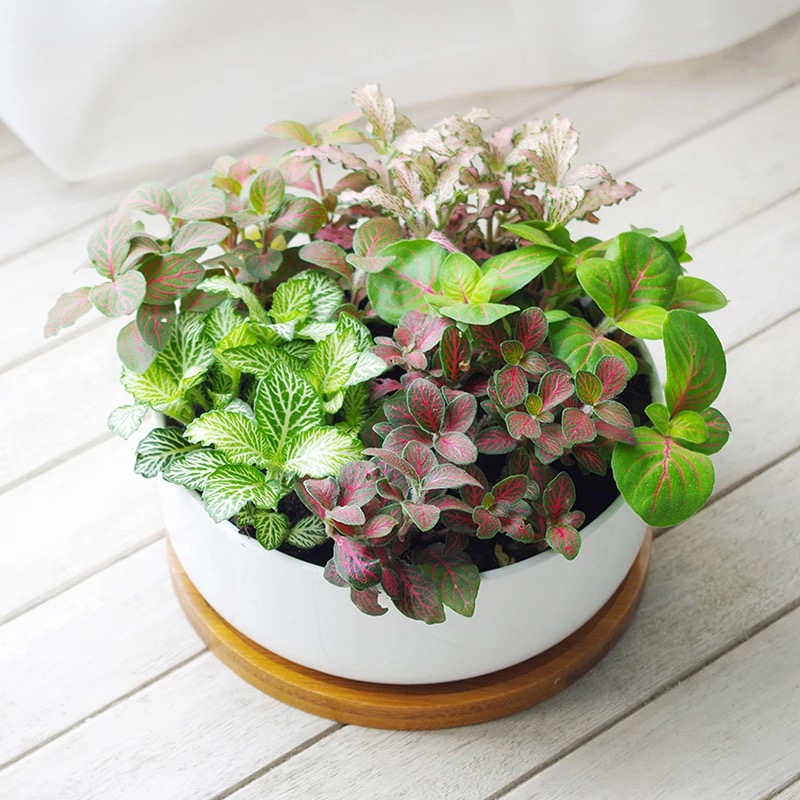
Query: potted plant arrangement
{"type": "Point", "coordinates": [408, 386]}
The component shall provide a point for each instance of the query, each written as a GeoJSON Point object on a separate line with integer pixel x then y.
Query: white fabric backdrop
{"type": "Point", "coordinates": [94, 87]}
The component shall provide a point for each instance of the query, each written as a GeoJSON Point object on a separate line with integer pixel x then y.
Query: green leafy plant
{"type": "Point", "coordinates": [398, 359]}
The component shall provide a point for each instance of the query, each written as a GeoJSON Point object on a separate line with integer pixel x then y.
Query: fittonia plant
{"type": "Point", "coordinates": [416, 348]}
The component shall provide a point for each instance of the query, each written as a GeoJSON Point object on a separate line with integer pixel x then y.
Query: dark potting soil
{"type": "Point", "coordinates": [595, 494]}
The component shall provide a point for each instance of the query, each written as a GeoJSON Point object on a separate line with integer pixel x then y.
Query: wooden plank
{"type": "Point", "coordinates": [712, 581]}
{"type": "Point", "coordinates": [730, 731]}
{"type": "Point", "coordinates": [191, 735]}
{"type": "Point", "coordinates": [98, 641]}
{"type": "Point", "coordinates": [791, 792]}
{"type": "Point", "coordinates": [98, 511]}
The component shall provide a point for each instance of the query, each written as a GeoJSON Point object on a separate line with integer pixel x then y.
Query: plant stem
{"type": "Point", "coordinates": [319, 181]}
{"type": "Point", "coordinates": [490, 234]}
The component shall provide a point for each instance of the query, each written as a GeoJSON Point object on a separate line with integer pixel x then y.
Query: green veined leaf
{"type": "Point", "coordinates": [68, 309]}
{"type": "Point", "coordinates": [237, 436]}
{"type": "Point", "coordinates": [458, 278]}
{"type": "Point", "coordinates": [285, 406]}
{"type": "Point", "coordinates": [198, 235]}
{"type": "Point", "coordinates": [271, 527]}
{"type": "Point", "coordinates": [221, 320]}
{"type": "Point", "coordinates": [517, 268]}
{"type": "Point", "coordinates": [695, 294]}
{"type": "Point", "coordinates": [301, 215]}
{"type": "Point", "coordinates": [188, 354]}
{"type": "Point", "coordinates": [257, 359]}
{"type": "Point", "coordinates": [375, 234]}
{"type": "Point", "coordinates": [718, 429]}
{"type": "Point", "coordinates": [367, 367]}
{"type": "Point", "coordinates": [231, 486]}
{"type": "Point", "coordinates": [267, 192]}
{"type": "Point", "coordinates": [456, 577]}
{"type": "Point", "coordinates": [194, 469]}
{"type": "Point", "coordinates": [125, 420]}
{"type": "Point", "coordinates": [326, 294]}
{"type": "Point", "coordinates": [577, 343]}
{"type": "Point", "coordinates": [152, 198]}
{"type": "Point", "coordinates": [155, 387]}
{"type": "Point", "coordinates": [307, 533]}
{"type": "Point", "coordinates": [405, 284]}
{"type": "Point", "coordinates": [119, 297]}
{"type": "Point", "coordinates": [109, 245]}
{"type": "Point", "coordinates": [158, 449]}
{"type": "Point", "coordinates": [478, 313]}
{"type": "Point", "coordinates": [695, 362]}
{"type": "Point", "coordinates": [662, 481]}
{"type": "Point", "coordinates": [332, 362]}
{"type": "Point", "coordinates": [321, 452]}
{"type": "Point", "coordinates": [291, 301]}
{"type": "Point", "coordinates": [221, 283]}
{"type": "Point", "coordinates": [646, 322]}
{"type": "Point", "coordinates": [355, 407]}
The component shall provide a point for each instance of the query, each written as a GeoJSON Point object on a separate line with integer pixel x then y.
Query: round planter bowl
{"type": "Point", "coordinates": [287, 607]}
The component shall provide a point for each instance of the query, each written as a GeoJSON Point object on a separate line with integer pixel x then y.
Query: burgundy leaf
{"type": "Point", "coordinates": [456, 447]}
{"type": "Point", "coordinates": [366, 601]}
{"type": "Point", "coordinates": [413, 593]}
{"type": "Point", "coordinates": [460, 521]}
{"type": "Point", "coordinates": [551, 444]}
{"type": "Point", "coordinates": [577, 426]}
{"type": "Point", "coordinates": [591, 458]}
{"type": "Point", "coordinates": [448, 476]}
{"type": "Point", "coordinates": [301, 215]}
{"type": "Point", "coordinates": [454, 353]}
{"type": "Point", "coordinates": [521, 425]}
{"type": "Point", "coordinates": [400, 437]}
{"type": "Point", "coordinates": [555, 387]}
{"type": "Point", "coordinates": [446, 502]}
{"type": "Point", "coordinates": [379, 527]}
{"type": "Point", "coordinates": [426, 328]}
{"type": "Point", "coordinates": [613, 374]}
{"type": "Point", "coordinates": [416, 360]}
{"type": "Point", "coordinates": [460, 413]}
{"type": "Point", "coordinates": [531, 328]}
{"type": "Point", "coordinates": [534, 364]}
{"type": "Point", "coordinates": [155, 324]}
{"type": "Point", "coordinates": [615, 433]}
{"type": "Point", "coordinates": [488, 524]}
{"type": "Point", "coordinates": [420, 457]}
{"type": "Point", "coordinates": [520, 531]}
{"type": "Point", "coordinates": [331, 574]}
{"type": "Point", "coordinates": [170, 277]}
{"type": "Point", "coordinates": [495, 441]}
{"type": "Point", "coordinates": [393, 459]}
{"type": "Point", "coordinates": [511, 386]}
{"type": "Point", "coordinates": [319, 496]}
{"type": "Point", "coordinates": [615, 414]}
{"type": "Point", "coordinates": [588, 387]}
{"type": "Point", "coordinates": [396, 410]}
{"type": "Point", "coordinates": [423, 515]}
{"type": "Point", "coordinates": [426, 404]}
{"type": "Point", "coordinates": [559, 496]}
{"type": "Point", "coordinates": [490, 337]}
{"type": "Point", "coordinates": [327, 256]}
{"type": "Point", "coordinates": [356, 483]}
{"type": "Point", "coordinates": [564, 539]}
{"type": "Point", "coordinates": [356, 561]}
{"type": "Point", "coordinates": [510, 489]}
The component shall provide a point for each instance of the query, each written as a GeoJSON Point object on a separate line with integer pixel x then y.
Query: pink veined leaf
{"type": "Point", "coordinates": [426, 403]}
{"type": "Point", "coordinates": [331, 574]}
{"type": "Point", "coordinates": [420, 457]}
{"type": "Point", "coordinates": [375, 234]}
{"type": "Point", "coordinates": [490, 337]}
{"type": "Point", "coordinates": [132, 350]}
{"type": "Point", "coordinates": [590, 458]}
{"type": "Point", "coordinates": [608, 193]}
{"type": "Point", "coordinates": [397, 439]}
{"type": "Point", "coordinates": [366, 601]}
{"type": "Point", "coordinates": [423, 515]}
{"type": "Point", "coordinates": [495, 441]}
{"type": "Point", "coordinates": [155, 324]}
{"type": "Point", "coordinates": [535, 364]}
{"type": "Point", "coordinates": [336, 155]}
{"type": "Point", "coordinates": [488, 524]}
{"type": "Point", "coordinates": [152, 198]}
{"type": "Point", "coordinates": [456, 447]}
{"type": "Point", "coordinates": [456, 577]}
{"type": "Point", "coordinates": [110, 243]}
{"type": "Point", "coordinates": [531, 328]}
{"type": "Point", "coordinates": [319, 495]}
{"type": "Point", "coordinates": [511, 385]}
{"type": "Point", "coordinates": [388, 490]}
{"type": "Point", "coordinates": [613, 374]}
{"type": "Point", "coordinates": [555, 387]}
{"type": "Point", "coordinates": [446, 502]}
{"type": "Point", "coordinates": [459, 521]}
{"type": "Point", "coordinates": [403, 336]}
{"type": "Point", "coordinates": [518, 462]}
{"type": "Point", "coordinates": [574, 518]}
{"type": "Point", "coordinates": [460, 413]}
{"type": "Point", "coordinates": [141, 247]}
{"type": "Point", "coordinates": [540, 474]}
{"type": "Point", "coordinates": [448, 476]}
{"type": "Point", "coordinates": [356, 483]}
{"type": "Point", "coordinates": [614, 413]}
{"type": "Point", "coordinates": [327, 256]}
{"type": "Point", "coordinates": [564, 539]}
{"type": "Point", "coordinates": [522, 426]}
{"type": "Point", "coordinates": [356, 562]}
{"type": "Point", "coordinates": [520, 531]}
{"type": "Point", "coordinates": [577, 426]}
{"type": "Point", "coordinates": [454, 353]}
{"type": "Point", "coordinates": [370, 264]}
{"type": "Point", "coordinates": [416, 360]}
{"type": "Point", "coordinates": [553, 150]}
{"type": "Point", "coordinates": [551, 443]}
{"type": "Point", "coordinates": [301, 215]}
{"type": "Point", "coordinates": [396, 410]}
{"type": "Point", "coordinates": [68, 309]}
{"type": "Point", "coordinates": [379, 527]}
{"type": "Point", "coordinates": [297, 172]}
{"type": "Point", "coordinates": [391, 458]}
{"type": "Point", "coordinates": [196, 198]}
{"type": "Point", "coordinates": [559, 496]}
{"type": "Point", "coordinates": [262, 265]}
{"type": "Point", "coordinates": [510, 489]}
{"type": "Point", "coordinates": [387, 350]}
{"type": "Point", "coordinates": [267, 192]}
{"type": "Point", "coordinates": [119, 297]}
{"type": "Point", "coordinates": [170, 277]}
{"type": "Point", "coordinates": [347, 515]}
{"type": "Point", "coordinates": [197, 235]}
{"type": "Point", "coordinates": [615, 433]}
{"type": "Point", "coordinates": [413, 593]}
{"type": "Point", "coordinates": [588, 387]}
{"type": "Point", "coordinates": [427, 329]}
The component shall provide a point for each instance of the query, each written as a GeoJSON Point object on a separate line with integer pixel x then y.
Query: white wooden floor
{"type": "Point", "coordinates": [105, 690]}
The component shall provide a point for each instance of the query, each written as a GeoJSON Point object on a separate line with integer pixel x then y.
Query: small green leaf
{"type": "Point", "coordinates": [458, 277]}
{"type": "Point", "coordinates": [695, 294]}
{"type": "Point", "coordinates": [606, 283]}
{"type": "Point", "coordinates": [332, 362]}
{"type": "Point", "coordinates": [646, 322]}
{"type": "Point", "coordinates": [321, 452]}
{"type": "Point", "coordinates": [307, 533]}
{"type": "Point", "coordinates": [221, 283]}
{"type": "Point", "coordinates": [719, 430]}
{"type": "Point", "coordinates": [688, 426]}
{"type": "Point", "coordinates": [119, 297]}
{"type": "Point", "coordinates": [158, 449]}
{"type": "Point", "coordinates": [478, 313]}
{"type": "Point", "coordinates": [125, 420]}
{"type": "Point", "coordinates": [533, 235]}
{"type": "Point", "coordinates": [577, 343]}
{"type": "Point", "coordinates": [231, 486]}
{"type": "Point", "coordinates": [291, 301]}
{"type": "Point", "coordinates": [237, 436]}
{"type": "Point", "coordinates": [517, 269]}
{"type": "Point", "coordinates": [267, 192]}
{"type": "Point", "coordinates": [326, 294]}
{"type": "Point", "coordinates": [662, 481]}
{"type": "Point", "coordinates": [658, 414]}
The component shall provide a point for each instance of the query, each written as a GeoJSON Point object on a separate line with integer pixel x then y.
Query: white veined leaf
{"type": "Point", "coordinates": [231, 486]}
{"type": "Point", "coordinates": [326, 294]}
{"type": "Point", "coordinates": [257, 359]}
{"type": "Point", "coordinates": [299, 349]}
{"type": "Point", "coordinates": [283, 330]}
{"type": "Point", "coordinates": [355, 406]}
{"type": "Point", "coordinates": [307, 533]}
{"type": "Point", "coordinates": [221, 320]}
{"type": "Point", "coordinates": [238, 436]}
{"type": "Point", "coordinates": [194, 469]}
{"type": "Point", "coordinates": [271, 527]}
{"type": "Point", "coordinates": [217, 284]}
{"type": "Point", "coordinates": [321, 452]}
{"type": "Point", "coordinates": [333, 403]}
{"type": "Point", "coordinates": [189, 353]}
{"type": "Point", "coordinates": [367, 367]}
{"type": "Point", "coordinates": [154, 387]}
{"type": "Point", "coordinates": [238, 336]}
{"type": "Point", "coordinates": [316, 331]}
{"type": "Point", "coordinates": [347, 322]}
{"type": "Point", "coordinates": [158, 449]}
{"type": "Point", "coordinates": [286, 405]}
{"type": "Point", "coordinates": [292, 301]}
{"type": "Point", "coordinates": [332, 362]}
{"type": "Point", "coordinates": [125, 420]}
{"type": "Point", "coordinates": [238, 406]}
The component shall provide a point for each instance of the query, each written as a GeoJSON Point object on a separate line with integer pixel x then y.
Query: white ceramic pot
{"type": "Point", "coordinates": [286, 606]}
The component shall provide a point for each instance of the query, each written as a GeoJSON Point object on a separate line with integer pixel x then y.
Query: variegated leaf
{"type": "Point", "coordinates": [272, 528]}
{"type": "Point", "coordinates": [460, 412]}
{"type": "Point", "coordinates": [478, 313]}
{"type": "Point", "coordinates": [558, 496]}
{"type": "Point", "coordinates": [613, 374]}
{"type": "Point", "coordinates": [456, 447]}
{"type": "Point", "coordinates": [155, 324]}
{"type": "Point", "coordinates": [119, 297]}
{"type": "Point", "coordinates": [197, 199]}
{"type": "Point", "coordinates": [198, 235]}
{"type": "Point", "coordinates": [577, 426]}
{"type": "Point", "coordinates": [614, 413]}
{"type": "Point", "coordinates": [332, 362]}
{"type": "Point", "coordinates": [126, 420]}
{"type": "Point", "coordinates": [194, 469]}
{"type": "Point", "coordinates": [554, 388]}
{"type": "Point", "coordinates": [413, 592]}
{"type": "Point", "coordinates": [223, 284]}
{"type": "Point", "coordinates": [321, 451]}
{"type": "Point", "coordinates": [109, 245]}
{"type": "Point", "coordinates": [448, 476]}
{"type": "Point", "coordinates": [68, 309]}
{"type": "Point", "coordinates": [307, 533]}
{"type": "Point", "coordinates": [531, 328]}
{"type": "Point", "coordinates": [718, 428]}
{"type": "Point", "coordinates": [327, 256]}
{"type": "Point", "coordinates": [375, 234]}
{"type": "Point", "coordinates": [564, 539]}
{"type": "Point", "coordinates": [152, 198]}
{"type": "Point", "coordinates": [170, 277]}
{"type": "Point", "coordinates": [577, 343]}
{"type": "Point", "coordinates": [454, 352]}
{"type": "Point", "coordinates": [267, 192]}
{"type": "Point", "coordinates": [301, 215]}
{"type": "Point", "coordinates": [495, 441]}
{"type": "Point", "coordinates": [292, 300]}
{"type": "Point", "coordinates": [424, 516]}
{"type": "Point", "coordinates": [588, 387]}
{"type": "Point", "coordinates": [237, 436]}
{"type": "Point", "coordinates": [356, 562]}
{"type": "Point", "coordinates": [426, 404]}
{"type": "Point", "coordinates": [511, 385]}
{"type": "Point", "coordinates": [232, 486]}
{"type": "Point", "coordinates": [366, 601]}
{"type": "Point", "coordinates": [158, 449]}
{"type": "Point", "coordinates": [379, 111]}
{"type": "Point", "coordinates": [510, 489]}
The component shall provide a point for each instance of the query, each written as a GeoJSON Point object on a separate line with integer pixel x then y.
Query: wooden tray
{"type": "Point", "coordinates": [425, 707]}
